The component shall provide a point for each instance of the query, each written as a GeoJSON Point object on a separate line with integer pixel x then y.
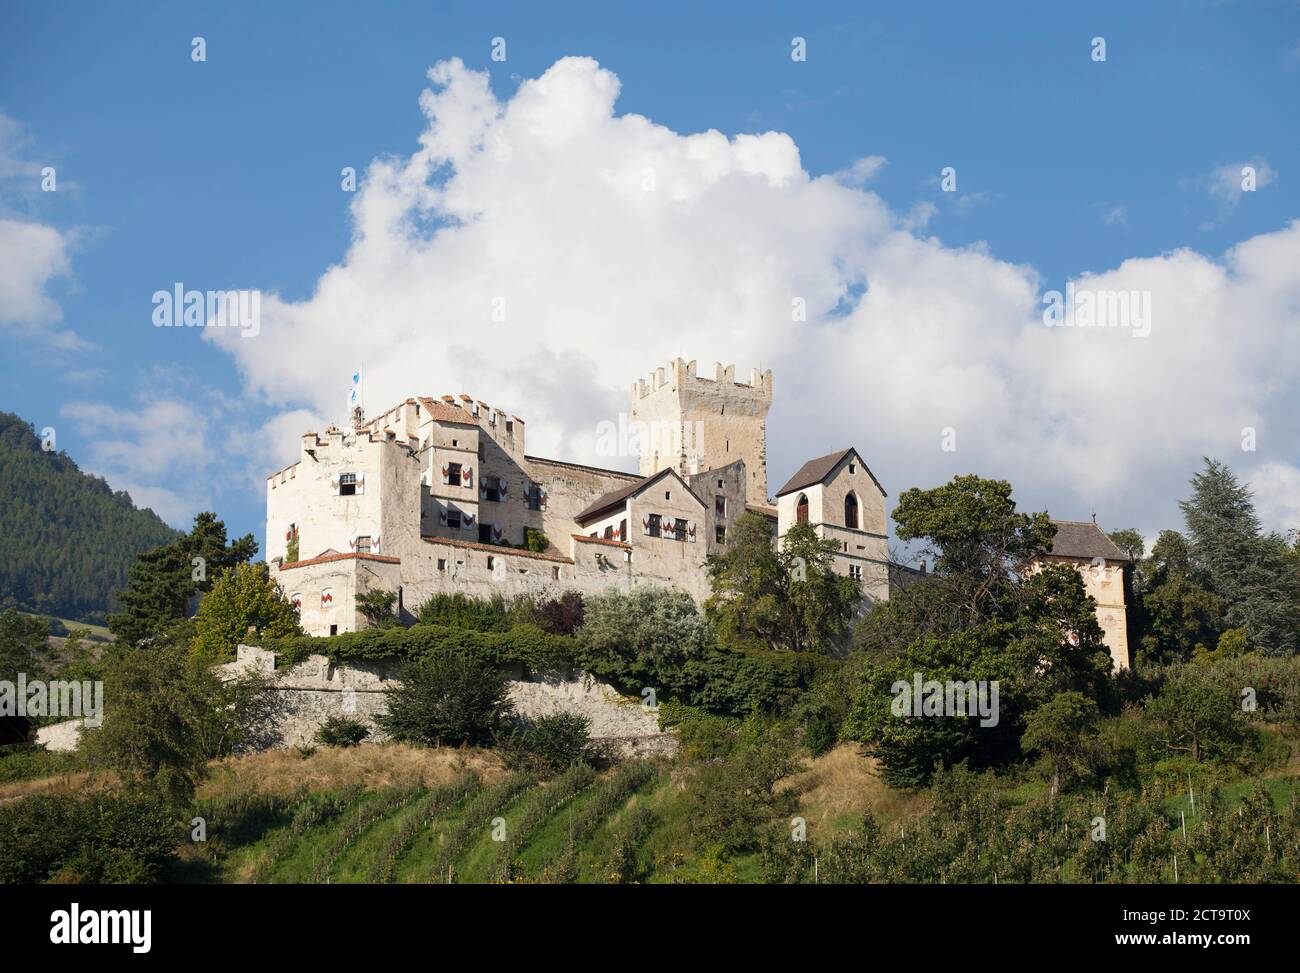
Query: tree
{"type": "Point", "coordinates": [22, 644]}
{"type": "Point", "coordinates": [646, 638]}
{"type": "Point", "coordinates": [163, 582]}
{"type": "Point", "coordinates": [1251, 571]}
{"type": "Point", "coordinates": [151, 710]}
{"type": "Point", "coordinates": [243, 598]}
{"type": "Point", "coordinates": [787, 596]}
{"type": "Point", "coordinates": [1130, 541]}
{"type": "Point", "coordinates": [1195, 715]}
{"type": "Point", "coordinates": [378, 608]}
{"type": "Point", "coordinates": [448, 697]}
{"type": "Point", "coordinates": [974, 534]}
{"type": "Point", "coordinates": [987, 616]}
{"type": "Point", "coordinates": [167, 713]}
{"type": "Point", "coordinates": [1059, 730]}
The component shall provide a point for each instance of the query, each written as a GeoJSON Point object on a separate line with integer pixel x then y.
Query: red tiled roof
{"type": "Point", "coordinates": [601, 540]}
{"type": "Point", "coordinates": [442, 412]}
{"type": "Point", "coordinates": [497, 549]}
{"type": "Point", "coordinates": [326, 558]}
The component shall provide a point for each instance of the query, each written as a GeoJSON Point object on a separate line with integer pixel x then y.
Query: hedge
{"type": "Point", "coordinates": [523, 645]}
{"type": "Point", "coordinates": [723, 680]}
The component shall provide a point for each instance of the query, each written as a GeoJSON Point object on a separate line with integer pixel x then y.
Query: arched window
{"type": "Point", "coordinates": [851, 511]}
{"type": "Point", "coordinates": [801, 510]}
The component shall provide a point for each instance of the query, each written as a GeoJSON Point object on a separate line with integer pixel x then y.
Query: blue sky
{"type": "Point", "coordinates": [226, 174]}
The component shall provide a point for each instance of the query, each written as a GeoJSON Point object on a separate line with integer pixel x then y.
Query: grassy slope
{"type": "Point", "coordinates": [833, 792]}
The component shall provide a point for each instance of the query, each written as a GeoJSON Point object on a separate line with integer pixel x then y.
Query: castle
{"type": "Point", "coordinates": [440, 495]}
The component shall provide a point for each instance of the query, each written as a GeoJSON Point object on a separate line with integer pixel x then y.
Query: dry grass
{"type": "Point", "coordinates": [63, 784]}
{"type": "Point", "coordinates": [368, 764]}
{"type": "Point", "coordinates": [837, 787]}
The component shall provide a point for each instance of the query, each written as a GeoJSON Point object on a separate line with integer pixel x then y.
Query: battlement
{"type": "Point", "coordinates": [682, 376]}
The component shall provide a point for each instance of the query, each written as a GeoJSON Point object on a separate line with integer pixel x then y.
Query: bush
{"type": "Point", "coordinates": [461, 611]}
{"type": "Point", "coordinates": [526, 646]}
{"type": "Point", "coordinates": [551, 744]}
{"type": "Point", "coordinates": [448, 697]}
{"type": "Point", "coordinates": [733, 800]}
{"type": "Point", "coordinates": [102, 838]}
{"type": "Point", "coordinates": [339, 731]}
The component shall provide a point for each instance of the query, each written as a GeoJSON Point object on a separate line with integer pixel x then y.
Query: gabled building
{"type": "Point", "coordinates": [844, 502]}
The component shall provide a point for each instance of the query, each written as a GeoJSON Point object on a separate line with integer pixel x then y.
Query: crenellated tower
{"type": "Point", "coordinates": [694, 424]}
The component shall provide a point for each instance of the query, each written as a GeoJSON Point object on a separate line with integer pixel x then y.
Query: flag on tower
{"type": "Point", "coordinates": [354, 398]}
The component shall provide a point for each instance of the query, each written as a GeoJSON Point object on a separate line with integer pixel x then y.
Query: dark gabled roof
{"type": "Point", "coordinates": [616, 498]}
{"type": "Point", "coordinates": [817, 470]}
{"type": "Point", "coordinates": [1075, 538]}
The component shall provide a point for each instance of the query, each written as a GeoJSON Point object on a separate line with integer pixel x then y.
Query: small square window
{"type": "Point", "coordinates": [719, 484]}
{"type": "Point", "coordinates": [668, 495]}
{"type": "Point", "coordinates": [455, 442]}
{"type": "Point", "coordinates": [363, 544]}
{"type": "Point", "coordinates": [442, 564]}
{"type": "Point", "coordinates": [347, 485]}
{"type": "Point", "coordinates": [334, 630]}
{"type": "Point", "coordinates": [555, 573]}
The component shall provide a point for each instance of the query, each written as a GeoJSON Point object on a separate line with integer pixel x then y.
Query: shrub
{"type": "Point", "coordinates": [448, 697]}
{"type": "Point", "coordinates": [733, 800]}
{"type": "Point", "coordinates": [457, 610]}
{"type": "Point", "coordinates": [526, 646]}
{"type": "Point", "coordinates": [243, 597]}
{"type": "Point", "coordinates": [339, 731]}
{"type": "Point", "coordinates": [551, 744]}
{"type": "Point", "coordinates": [563, 615]}
{"type": "Point", "coordinates": [378, 607]}
{"type": "Point", "coordinates": [103, 838]}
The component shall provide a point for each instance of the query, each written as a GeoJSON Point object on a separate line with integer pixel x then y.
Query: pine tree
{"type": "Point", "coordinates": [164, 582]}
{"type": "Point", "coordinates": [1250, 570]}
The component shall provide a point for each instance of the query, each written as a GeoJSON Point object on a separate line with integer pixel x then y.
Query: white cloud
{"type": "Point", "coordinates": [157, 452]}
{"type": "Point", "coordinates": [1277, 495]}
{"type": "Point", "coordinates": [862, 171]}
{"type": "Point", "coordinates": [1114, 215]}
{"type": "Point", "coordinates": [1226, 184]}
{"type": "Point", "coordinates": [613, 244]}
{"type": "Point", "coordinates": [32, 255]}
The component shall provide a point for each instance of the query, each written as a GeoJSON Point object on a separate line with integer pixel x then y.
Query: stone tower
{"type": "Point", "coordinates": [693, 424]}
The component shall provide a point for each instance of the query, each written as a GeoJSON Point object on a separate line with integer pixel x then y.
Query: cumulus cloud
{"type": "Point", "coordinates": [543, 252]}
{"type": "Point", "coordinates": [32, 254]}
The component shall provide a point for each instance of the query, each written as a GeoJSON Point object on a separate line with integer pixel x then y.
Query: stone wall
{"type": "Point", "coordinates": [317, 689]}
